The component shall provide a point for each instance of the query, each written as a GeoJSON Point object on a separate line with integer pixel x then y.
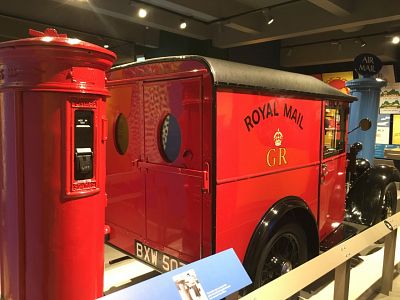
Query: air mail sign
{"type": "Point", "coordinates": [367, 64]}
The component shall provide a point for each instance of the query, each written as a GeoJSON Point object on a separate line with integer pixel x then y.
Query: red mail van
{"type": "Point", "coordinates": [205, 155]}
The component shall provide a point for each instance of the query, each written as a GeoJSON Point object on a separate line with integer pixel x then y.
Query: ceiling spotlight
{"type": "Point", "coordinates": [142, 13]}
{"type": "Point", "coordinates": [106, 46]}
{"type": "Point", "coordinates": [183, 25]}
{"type": "Point", "coordinates": [361, 42]}
{"type": "Point", "coordinates": [269, 18]}
{"type": "Point", "coordinates": [396, 40]}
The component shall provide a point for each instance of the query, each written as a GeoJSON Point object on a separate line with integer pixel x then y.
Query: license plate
{"type": "Point", "coordinates": [158, 259]}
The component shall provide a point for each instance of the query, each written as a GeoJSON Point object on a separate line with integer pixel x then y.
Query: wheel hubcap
{"type": "Point", "coordinates": [282, 258]}
{"type": "Point", "coordinates": [387, 205]}
{"type": "Point", "coordinates": [389, 212]}
{"type": "Point", "coordinates": [286, 267]}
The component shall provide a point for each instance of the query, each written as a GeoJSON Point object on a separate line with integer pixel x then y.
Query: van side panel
{"type": "Point", "coordinates": [242, 204]}
{"type": "Point", "coordinates": [268, 148]}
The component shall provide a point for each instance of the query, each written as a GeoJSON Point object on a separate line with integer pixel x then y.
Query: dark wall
{"type": "Point", "coordinates": [397, 71]}
{"type": "Point", "coordinates": [171, 44]}
{"type": "Point", "coordinates": [342, 67]}
{"type": "Point", "coordinates": [318, 69]}
{"type": "Point", "coordinates": [339, 67]}
{"type": "Point", "coordinates": [329, 68]}
{"type": "Point", "coordinates": [264, 54]}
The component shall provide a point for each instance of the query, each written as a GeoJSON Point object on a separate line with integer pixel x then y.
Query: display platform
{"type": "Point", "coordinates": [124, 271]}
{"type": "Point", "coordinates": [121, 271]}
{"type": "Point", "coordinates": [364, 276]}
{"type": "Point", "coordinates": [212, 278]}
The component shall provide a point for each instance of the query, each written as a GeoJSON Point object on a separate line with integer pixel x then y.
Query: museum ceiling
{"type": "Point", "coordinates": [309, 31]}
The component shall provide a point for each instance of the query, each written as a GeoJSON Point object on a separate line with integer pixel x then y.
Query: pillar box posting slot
{"type": "Point", "coordinates": [52, 172]}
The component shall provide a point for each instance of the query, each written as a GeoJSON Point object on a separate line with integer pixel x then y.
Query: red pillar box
{"type": "Point", "coordinates": [52, 172]}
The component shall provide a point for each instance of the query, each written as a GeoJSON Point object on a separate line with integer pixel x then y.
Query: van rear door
{"type": "Point", "coordinates": [173, 167]}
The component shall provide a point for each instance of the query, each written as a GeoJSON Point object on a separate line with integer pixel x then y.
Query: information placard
{"type": "Point", "coordinates": [383, 129]}
{"type": "Point", "coordinates": [389, 102]}
{"type": "Point", "coordinates": [396, 130]}
{"type": "Point", "coordinates": [212, 278]}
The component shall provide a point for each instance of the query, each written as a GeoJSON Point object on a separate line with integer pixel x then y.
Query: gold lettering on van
{"type": "Point", "coordinates": [276, 157]}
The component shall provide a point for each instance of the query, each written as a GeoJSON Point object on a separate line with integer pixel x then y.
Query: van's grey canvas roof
{"type": "Point", "coordinates": [232, 74]}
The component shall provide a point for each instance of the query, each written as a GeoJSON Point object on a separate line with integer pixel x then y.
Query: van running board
{"type": "Point", "coordinates": [343, 232]}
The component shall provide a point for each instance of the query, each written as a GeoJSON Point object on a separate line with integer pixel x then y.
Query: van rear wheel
{"type": "Point", "coordinates": [286, 250]}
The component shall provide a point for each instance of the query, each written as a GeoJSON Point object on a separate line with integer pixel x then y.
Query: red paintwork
{"type": "Point", "coordinates": [332, 190]}
{"type": "Point", "coordinates": [165, 206]}
{"type": "Point", "coordinates": [245, 183]}
{"type": "Point", "coordinates": [151, 200]}
{"type": "Point", "coordinates": [52, 225]}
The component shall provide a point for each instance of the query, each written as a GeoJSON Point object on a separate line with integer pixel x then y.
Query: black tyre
{"type": "Point", "coordinates": [388, 207]}
{"type": "Point", "coordinates": [389, 204]}
{"type": "Point", "coordinates": [286, 250]}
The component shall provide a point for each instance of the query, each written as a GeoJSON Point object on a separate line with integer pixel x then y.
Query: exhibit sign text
{"type": "Point", "coordinates": [212, 278]}
{"type": "Point", "coordinates": [367, 64]}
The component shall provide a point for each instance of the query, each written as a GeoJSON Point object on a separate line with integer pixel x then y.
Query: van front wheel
{"type": "Point", "coordinates": [286, 250]}
{"type": "Point", "coordinates": [389, 206]}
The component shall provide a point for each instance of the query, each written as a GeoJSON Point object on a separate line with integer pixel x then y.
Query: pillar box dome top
{"type": "Point", "coordinates": [49, 61]}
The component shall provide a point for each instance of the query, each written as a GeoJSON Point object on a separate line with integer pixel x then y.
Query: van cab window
{"type": "Point", "coordinates": [334, 128]}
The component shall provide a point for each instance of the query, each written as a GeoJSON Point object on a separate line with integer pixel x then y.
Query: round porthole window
{"type": "Point", "coordinates": [121, 134]}
{"type": "Point", "coordinates": [170, 138]}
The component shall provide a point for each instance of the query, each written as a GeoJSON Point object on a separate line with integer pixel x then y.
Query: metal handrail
{"type": "Point", "coordinates": [337, 258]}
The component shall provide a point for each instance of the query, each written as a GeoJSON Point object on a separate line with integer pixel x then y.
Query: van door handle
{"type": "Point", "coordinates": [135, 162]}
{"type": "Point", "coordinates": [188, 154]}
{"type": "Point", "coordinates": [206, 178]}
{"type": "Point", "coordinates": [324, 172]}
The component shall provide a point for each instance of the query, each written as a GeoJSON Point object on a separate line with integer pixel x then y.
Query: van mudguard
{"type": "Point", "coordinates": [366, 195]}
{"type": "Point", "coordinates": [290, 208]}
